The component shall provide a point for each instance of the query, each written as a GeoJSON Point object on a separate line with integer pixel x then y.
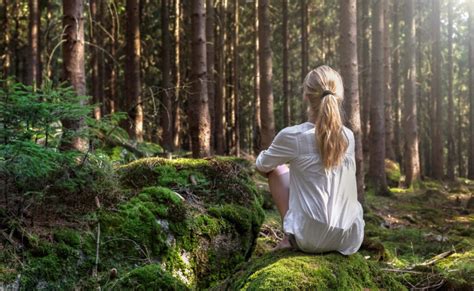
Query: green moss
{"type": "Point", "coordinates": [392, 170]}
{"type": "Point", "coordinates": [68, 236]}
{"type": "Point", "coordinates": [286, 270]}
{"type": "Point", "coordinates": [148, 277]}
{"type": "Point", "coordinates": [458, 269]}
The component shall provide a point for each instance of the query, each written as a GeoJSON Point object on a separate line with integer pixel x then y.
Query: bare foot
{"type": "Point", "coordinates": [283, 244]}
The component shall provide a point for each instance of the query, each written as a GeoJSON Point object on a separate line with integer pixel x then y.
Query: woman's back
{"type": "Point", "coordinates": [319, 200]}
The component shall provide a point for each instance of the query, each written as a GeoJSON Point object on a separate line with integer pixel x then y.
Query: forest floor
{"type": "Point", "coordinates": [423, 237]}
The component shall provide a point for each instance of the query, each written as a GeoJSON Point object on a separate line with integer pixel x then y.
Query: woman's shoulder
{"type": "Point", "coordinates": [298, 128]}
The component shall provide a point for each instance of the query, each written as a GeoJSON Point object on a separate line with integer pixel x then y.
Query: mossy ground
{"type": "Point", "coordinates": [404, 232]}
{"type": "Point", "coordinates": [181, 224]}
{"type": "Point", "coordinates": [188, 223]}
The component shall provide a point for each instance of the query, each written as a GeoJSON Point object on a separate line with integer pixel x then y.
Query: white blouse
{"type": "Point", "coordinates": [324, 214]}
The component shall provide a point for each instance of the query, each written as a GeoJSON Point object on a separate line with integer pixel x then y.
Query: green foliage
{"type": "Point", "coordinates": [30, 160]}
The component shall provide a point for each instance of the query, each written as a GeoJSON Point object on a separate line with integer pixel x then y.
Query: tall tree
{"type": "Point", "coordinates": [236, 84]}
{"type": "Point", "coordinates": [412, 159]}
{"type": "Point", "coordinates": [350, 75]}
{"type": "Point", "coordinates": [221, 81]}
{"type": "Point", "coordinates": [6, 41]}
{"type": "Point", "coordinates": [33, 39]}
{"type": "Point", "coordinates": [177, 74]}
{"type": "Point", "coordinates": [199, 111]}
{"type": "Point", "coordinates": [266, 91]}
{"type": "Point", "coordinates": [73, 68]}
{"type": "Point", "coordinates": [211, 86]}
{"type": "Point", "coordinates": [451, 149]}
{"type": "Point", "coordinates": [471, 90]}
{"type": "Point", "coordinates": [437, 156]}
{"type": "Point", "coordinates": [387, 51]}
{"type": "Point", "coordinates": [377, 121]}
{"type": "Point", "coordinates": [396, 82]}
{"type": "Point", "coordinates": [134, 105]}
{"type": "Point", "coordinates": [257, 125]}
{"type": "Point", "coordinates": [166, 117]}
{"type": "Point", "coordinates": [286, 97]}
{"type": "Point", "coordinates": [365, 72]}
{"type": "Point", "coordinates": [304, 47]}
{"type": "Point", "coordinates": [94, 60]}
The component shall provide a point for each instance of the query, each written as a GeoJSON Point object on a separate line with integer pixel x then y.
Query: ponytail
{"type": "Point", "coordinates": [325, 108]}
{"type": "Point", "coordinates": [329, 135]}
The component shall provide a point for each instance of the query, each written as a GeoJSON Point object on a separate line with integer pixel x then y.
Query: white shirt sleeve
{"type": "Point", "coordinates": [282, 150]}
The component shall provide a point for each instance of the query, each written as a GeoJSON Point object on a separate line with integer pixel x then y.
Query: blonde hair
{"type": "Point", "coordinates": [324, 90]}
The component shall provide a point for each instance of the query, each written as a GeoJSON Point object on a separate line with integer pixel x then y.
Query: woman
{"type": "Point", "coordinates": [317, 195]}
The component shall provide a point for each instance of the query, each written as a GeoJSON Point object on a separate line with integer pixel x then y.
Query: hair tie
{"type": "Point", "coordinates": [326, 92]}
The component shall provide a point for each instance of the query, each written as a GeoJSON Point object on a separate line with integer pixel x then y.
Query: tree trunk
{"type": "Point", "coordinates": [286, 97]}
{"type": "Point", "coordinates": [221, 83]}
{"type": "Point", "coordinates": [377, 121]}
{"type": "Point", "coordinates": [437, 156]}
{"type": "Point", "coordinates": [257, 125]}
{"type": "Point", "coordinates": [33, 39]}
{"type": "Point", "coordinates": [73, 68]}
{"type": "Point", "coordinates": [166, 106]}
{"type": "Point", "coordinates": [199, 111]}
{"type": "Point", "coordinates": [236, 84]}
{"type": "Point", "coordinates": [134, 105]}
{"type": "Point", "coordinates": [6, 42]}
{"type": "Point", "coordinates": [96, 84]}
{"type": "Point", "coordinates": [211, 86]}
{"type": "Point", "coordinates": [471, 90]}
{"type": "Point", "coordinates": [451, 149]}
{"type": "Point", "coordinates": [304, 51]}
{"type": "Point", "coordinates": [365, 75]}
{"type": "Point", "coordinates": [177, 76]}
{"type": "Point", "coordinates": [112, 101]}
{"type": "Point", "coordinates": [266, 93]}
{"type": "Point", "coordinates": [396, 83]}
{"type": "Point", "coordinates": [350, 75]}
{"type": "Point", "coordinates": [412, 159]}
{"type": "Point", "coordinates": [387, 50]}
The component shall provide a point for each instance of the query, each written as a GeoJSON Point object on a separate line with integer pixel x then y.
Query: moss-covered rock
{"type": "Point", "coordinates": [288, 270]}
{"type": "Point", "coordinates": [148, 277]}
{"type": "Point", "coordinates": [184, 224]}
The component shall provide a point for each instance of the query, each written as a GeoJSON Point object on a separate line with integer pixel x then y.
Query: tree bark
{"type": "Point", "coordinates": [286, 97]}
{"type": "Point", "coordinates": [387, 50]}
{"type": "Point", "coordinates": [304, 50]}
{"type": "Point", "coordinates": [6, 41]}
{"type": "Point", "coordinates": [73, 68]}
{"type": "Point", "coordinates": [350, 75]}
{"type": "Point", "coordinates": [377, 121]}
{"type": "Point", "coordinates": [437, 155]}
{"type": "Point", "coordinates": [211, 86]}
{"type": "Point", "coordinates": [266, 92]}
{"type": "Point", "coordinates": [177, 76]}
{"type": "Point", "coordinates": [199, 111]}
{"type": "Point", "coordinates": [470, 173]}
{"type": "Point", "coordinates": [257, 125]}
{"type": "Point", "coordinates": [412, 159]}
{"type": "Point", "coordinates": [221, 82]}
{"type": "Point", "coordinates": [451, 148]}
{"type": "Point", "coordinates": [166, 106]}
{"type": "Point", "coordinates": [365, 75]}
{"type": "Point", "coordinates": [33, 39]}
{"type": "Point", "coordinates": [236, 83]}
{"type": "Point", "coordinates": [134, 105]}
{"type": "Point", "coordinates": [396, 83]}
{"type": "Point", "coordinates": [96, 84]}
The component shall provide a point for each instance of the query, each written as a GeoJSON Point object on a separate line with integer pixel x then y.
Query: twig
{"type": "Point", "coordinates": [97, 247]}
